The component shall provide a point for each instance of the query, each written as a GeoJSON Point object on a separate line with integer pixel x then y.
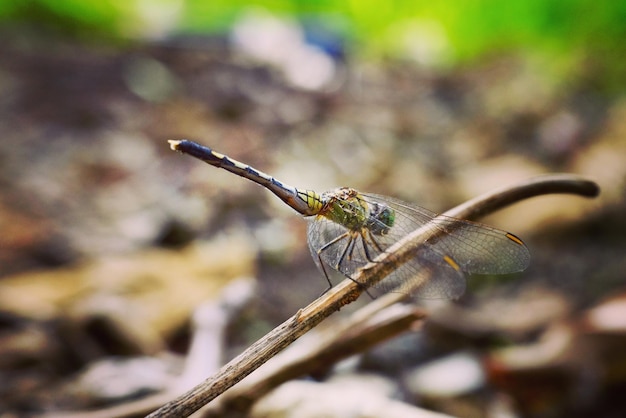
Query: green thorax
{"type": "Point", "coordinates": [349, 208]}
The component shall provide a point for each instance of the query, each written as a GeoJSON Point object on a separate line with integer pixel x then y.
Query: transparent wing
{"type": "Point", "coordinates": [475, 247]}
{"type": "Point", "coordinates": [426, 276]}
{"type": "Point", "coordinates": [453, 248]}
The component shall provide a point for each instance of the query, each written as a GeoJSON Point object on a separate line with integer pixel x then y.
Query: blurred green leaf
{"type": "Point", "coordinates": [448, 31]}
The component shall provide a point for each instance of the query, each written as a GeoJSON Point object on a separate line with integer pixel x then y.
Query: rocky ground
{"type": "Point", "coordinates": [110, 241]}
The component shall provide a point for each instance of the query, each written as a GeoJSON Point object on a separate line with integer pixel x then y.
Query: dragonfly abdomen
{"type": "Point", "coordinates": [306, 202]}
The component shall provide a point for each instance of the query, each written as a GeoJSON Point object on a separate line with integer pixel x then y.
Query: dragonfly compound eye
{"type": "Point", "coordinates": [381, 218]}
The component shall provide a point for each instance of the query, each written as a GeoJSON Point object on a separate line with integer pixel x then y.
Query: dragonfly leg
{"type": "Point", "coordinates": [347, 251]}
{"type": "Point", "coordinates": [330, 285]}
{"type": "Point", "coordinates": [374, 242]}
{"type": "Point", "coordinates": [366, 248]}
{"type": "Point", "coordinates": [319, 258]}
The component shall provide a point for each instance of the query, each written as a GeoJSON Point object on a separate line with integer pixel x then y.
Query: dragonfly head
{"type": "Point", "coordinates": [381, 218]}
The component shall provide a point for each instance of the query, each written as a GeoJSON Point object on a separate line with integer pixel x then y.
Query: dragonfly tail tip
{"type": "Point", "coordinates": [174, 143]}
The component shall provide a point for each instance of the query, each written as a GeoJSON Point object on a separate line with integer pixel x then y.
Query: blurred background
{"type": "Point", "coordinates": [109, 241]}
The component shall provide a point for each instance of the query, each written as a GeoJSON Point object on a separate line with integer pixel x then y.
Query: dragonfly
{"type": "Point", "coordinates": [349, 230]}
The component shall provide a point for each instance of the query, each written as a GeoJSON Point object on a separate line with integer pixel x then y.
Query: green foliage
{"type": "Point", "coordinates": [67, 16]}
{"type": "Point", "coordinates": [445, 32]}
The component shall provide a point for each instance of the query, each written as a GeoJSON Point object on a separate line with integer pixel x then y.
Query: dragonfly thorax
{"type": "Point", "coordinates": [347, 207]}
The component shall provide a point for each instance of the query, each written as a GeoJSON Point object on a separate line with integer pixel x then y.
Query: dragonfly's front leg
{"type": "Point", "coordinates": [366, 245]}
{"type": "Point", "coordinates": [346, 252]}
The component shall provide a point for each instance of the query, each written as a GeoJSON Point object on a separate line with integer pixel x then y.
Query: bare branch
{"type": "Point", "coordinates": [316, 351]}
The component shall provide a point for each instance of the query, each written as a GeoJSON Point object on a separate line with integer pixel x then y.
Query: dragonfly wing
{"type": "Point", "coordinates": [480, 249]}
{"type": "Point", "coordinates": [477, 248]}
{"type": "Point", "coordinates": [429, 274]}
{"type": "Point", "coordinates": [321, 232]}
